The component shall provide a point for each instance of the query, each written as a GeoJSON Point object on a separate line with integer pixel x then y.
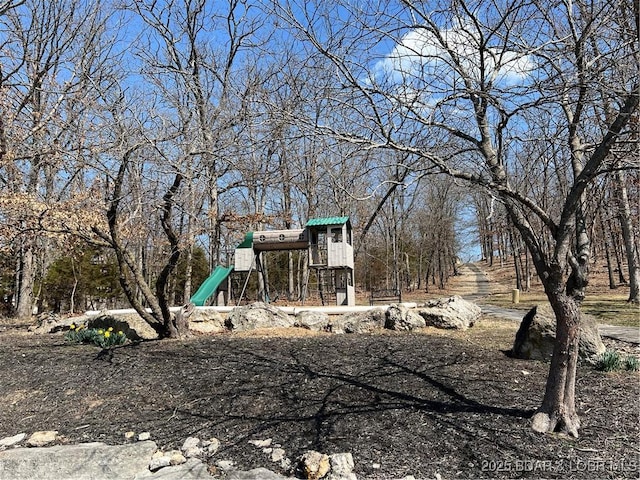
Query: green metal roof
{"type": "Point", "coordinates": [247, 242]}
{"type": "Point", "coordinates": [318, 222]}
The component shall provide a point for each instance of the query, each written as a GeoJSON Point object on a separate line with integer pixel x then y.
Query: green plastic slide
{"type": "Point", "coordinates": [210, 285]}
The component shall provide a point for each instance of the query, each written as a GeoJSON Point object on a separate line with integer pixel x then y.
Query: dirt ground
{"type": "Point", "coordinates": [421, 404]}
{"type": "Point", "coordinates": [403, 404]}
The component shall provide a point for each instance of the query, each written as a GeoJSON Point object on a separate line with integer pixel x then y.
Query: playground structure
{"type": "Point", "coordinates": [329, 246]}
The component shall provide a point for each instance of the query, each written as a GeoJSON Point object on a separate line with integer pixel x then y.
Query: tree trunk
{"type": "Point", "coordinates": [624, 214]}
{"type": "Point", "coordinates": [172, 329]}
{"type": "Point", "coordinates": [558, 411]}
{"type": "Point", "coordinates": [131, 276]}
{"type": "Point", "coordinates": [188, 275]}
{"type": "Point", "coordinates": [24, 308]}
{"type": "Point", "coordinates": [181, 321]}
{"type": "Point", "coordinates": [72, 297]}
{"type": "Point", "coordinates": [517, 260]}
{"type": "Point", "coordinates": [607, 253]}
{"type": "Point", "coordinates": [617, 252]}
{"type": "Point", "coordinates": [607, 249]}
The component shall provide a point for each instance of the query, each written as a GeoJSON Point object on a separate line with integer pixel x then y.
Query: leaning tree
{"type": "Point", "coordinates": [468, 87]}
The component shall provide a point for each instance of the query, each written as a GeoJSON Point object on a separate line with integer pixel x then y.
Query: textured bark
{"type": "Point", "coordinates": [24, 308]}
{"type": "Point", "coordinates": [558, 411]}
{"type": "Point", "coordinates": [626, 223]}
{"type": "Point", "coordinates": [180, 323]}
{"type": "Point", "coordinates": [131, 277]}
{"type": "Point", "coordinates": [172, 329]}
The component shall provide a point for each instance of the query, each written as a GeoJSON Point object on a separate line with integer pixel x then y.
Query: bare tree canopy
{"type": "Point", "coordinates": [151, 135]}
{"type": "Point", "coordinates": [492, 94]}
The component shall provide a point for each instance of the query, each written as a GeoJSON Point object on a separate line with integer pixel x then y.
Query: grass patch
{"type": "Point", "coordinates": [606, 305]}
{"type": "Point", "coordinates": [488, 333]}
{"type": "Point", "coordinates": [614, 310]}
{"type": "Point", "coordinates": [528, 300]}
{"type": "Point", "coordinates": [609, 309]}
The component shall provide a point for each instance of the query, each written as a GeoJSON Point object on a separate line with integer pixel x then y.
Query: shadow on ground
{"type": "Point", "coordinates": [402, 404]}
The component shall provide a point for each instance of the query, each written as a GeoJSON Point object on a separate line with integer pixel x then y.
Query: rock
{"type": "Point", "coordinates": [207, 327]}
{"type": "Point", "coordinates": [316, 321]}
{"type": "Point", "coordinates": [129, 435]}
{"type": "Point", "coordinates": [257, 315]}
{"type": "Point", "coordinates": [398, 317]}
{"type": "Point", "coordinates": [144, 436]}
{"type": "Point", "coordinates": [159, 462]}
{"type": "Point", "coordinates": [278, 455]}
{"type": "Point", "coordinates": [39, 439]}
{"type": "Point", "coordinates": [193, 469]}
{"type": "Point", "coordinates": [225, 464]}
{"type": "Point", "coordinates": [313, 465]}
{"type": "Point", "coordinates": [176, 457]}
{"type": "Point", "coordinates": [255, 474]}
{"type": "Point", "coordinates": [52, 323]}
{"type": "Point", "coordinates": [206, 321]}
{"type": "Point", "coordinates": [261, 443]}
{"type": "Point", "coordinates": [211, 446]}
{"type": "Point", "coordinates": [131, 324]}
{"type": "Point", "coordinates": [190, 442]}
{"type": "Point", "coordinates": [536, 336]}
{"type": "Point", "coordinates": [77, 462]}
{"type": "Point", "coordinates": [348, 476]}
{"type": "Point", "coordinates": [10, 441]}
{"type": "Point", "coordinates": [450, 312]}
{"type": "Point", "coordinates": [360, 322]}
{"type": "Point", "coordinates": [193, 452]}
{"type": "Point", "coordinates": [342, 466]}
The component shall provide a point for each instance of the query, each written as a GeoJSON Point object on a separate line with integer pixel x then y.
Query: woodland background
{"type": "Point", "coordinates": [139, 141]}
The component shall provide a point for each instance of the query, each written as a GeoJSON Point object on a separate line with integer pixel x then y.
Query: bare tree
{"type": "Point", "coordinates": [628, 234]}
{"type": "Point", "coordinates": [475, 78]}
{"type": "Point", "coordinates": [50, 56]}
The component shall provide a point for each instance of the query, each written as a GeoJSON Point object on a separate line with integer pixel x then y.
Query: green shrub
{"type": "Point", "coordinates": [612, 361]}
{"type": "Point", "coordinates": [609, 361]}
{"type": "Point", "coordinates": [632, 363]}
{"type": "Point", "coordinates": [103, 338]}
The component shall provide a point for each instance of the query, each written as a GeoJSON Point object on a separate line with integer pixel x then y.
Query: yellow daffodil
{"type": "Point", "coordinates": [72, 326]}
{"type": "Point", "coordinates": [120, 332]}
{"type": "Point", "coordinates": [100, 331]}
{"type": "Point", "coordinates": [111, 329]}
{"type": "Point", "coordinates": [107, 334]}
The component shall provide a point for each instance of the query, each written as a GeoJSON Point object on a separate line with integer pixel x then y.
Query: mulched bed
{"type": "Point", "coordinates": [402, 404]}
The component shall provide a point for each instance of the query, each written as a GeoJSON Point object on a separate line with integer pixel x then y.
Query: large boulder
{"type": "Point", "coordinates": [398, 317]}
{"type": "Point", "coordinates": [310, 320]}
{"type": "Point", "coordinates": [52, 323]}
{"type": "Point", "coordinates": [82, 461]}
{"type": "Point", "coordinates": [206, 321]}
{"type": "Point", "coordinates": [359, 322]}
{"type": "Point", "coordinates": [131, 324]}
{"type": "Point", "coordinates": [537, 333]}
{"type": "Point", "coordinates": [450, 312]}
{"type": "Point", "coordinates": [257, 315]}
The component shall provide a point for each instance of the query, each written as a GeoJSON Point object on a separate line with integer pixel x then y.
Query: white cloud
{"type": "Point", "coordinates": [421, 57]}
